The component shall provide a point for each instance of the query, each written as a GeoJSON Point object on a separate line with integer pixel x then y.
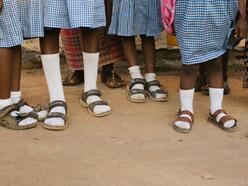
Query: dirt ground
{"type": "Point", "coordinates": [135, 146]}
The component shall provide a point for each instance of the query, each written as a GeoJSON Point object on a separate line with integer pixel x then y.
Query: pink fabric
{"type": "Point", "coordinates": [168, 8]}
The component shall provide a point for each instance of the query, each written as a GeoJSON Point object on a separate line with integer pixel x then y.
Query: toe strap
{"type": "Point", "coordinates": [97, 103]}
{"type": "Point", "coordinates": [57, 115]}
{"type": "Point", "coordinates": [137, 91]}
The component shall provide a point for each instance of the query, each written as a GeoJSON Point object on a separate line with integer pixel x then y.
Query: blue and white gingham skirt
{"type": "Point", "coordinates": [18, 20]}
{"type": "Point", "coordinates": [203, 28]}
{"type": "Point", "coordinates": [74, 13]}
{"type": "Point", "coordinates": [136, 17]}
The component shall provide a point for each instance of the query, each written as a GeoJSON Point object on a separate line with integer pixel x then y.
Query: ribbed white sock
{"type": "Point", "coordinates": [90, 80]}
{"type": "Point", "coordinates": [135, 73]}
{"type": "Point", "coordinates": [51, 66]}
{"type": "Point", "coordinates": [151, 77]}
{"type": "Point", "coordinates": [186, 98]}
{"type": "Point", "coordinates": [216, 99]}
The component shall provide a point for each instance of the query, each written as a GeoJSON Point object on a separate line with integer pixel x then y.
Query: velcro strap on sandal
{"type": "Point", "coordinates": [186, 112]}
{"type": "Point", "coordinates": [89, 93]}
{"type": "Point", "coordinates": [137, 91]}
{"type": "Point", "coordinates": [5, 111]}
{"type": "Point", "coordinates": [153, 83]}
{"type": "Point", "coordinates": [57, 103]}
{"type": "Point", "coordinates": [216, 113]}
{"type": "Point", "coordinates": [137, 81]}
{"type": "Point", "coordinates": [226, 118]}
{"type": "Point", "coordinates": [21, 103]}
{"type": "Point", "coordinates": [185, 119]}
{"type": "Point", "coordinates": [57, 115]}
{"type": "Point", "coordinates": [96, 103]}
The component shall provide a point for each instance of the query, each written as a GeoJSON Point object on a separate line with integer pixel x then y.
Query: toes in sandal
{"type": "Point", "coordinates": [92, 105]}
{"type": "Point", "coordinates": [131, 92]}
{"type": "Point", "coordinates": [12, 122]}
{"type": "Point", "coordinates": [184, 119]}
{"type": "Point", "coordinates": [152, 94]}
{"type": "Point", "coordinates": [213, 119]}
{"type": "Point", "coordinates": [50, 115]}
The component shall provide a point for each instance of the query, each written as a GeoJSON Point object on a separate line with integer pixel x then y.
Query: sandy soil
{"type": "Point", "coordinates": [135, 146]}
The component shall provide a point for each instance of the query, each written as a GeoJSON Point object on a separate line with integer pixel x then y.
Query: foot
{"type": "Point", "coordinates": [184, 121]}
{"type": "Point", "coordinates": [96, 106]}
{"type": "Point", "coordinates": [154, 89]}
{"type": "Point", "coordinates": [57, 116]}
{"type": "Point", "coordinates": [112, 79]}
{"type": "Point", "coordinates": [74, 78]}
{"type": "Point", "coordinates": [222, 120]}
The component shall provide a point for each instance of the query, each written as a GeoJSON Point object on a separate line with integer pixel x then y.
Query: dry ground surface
{"type": "Point", "coordinates": [135, 146]}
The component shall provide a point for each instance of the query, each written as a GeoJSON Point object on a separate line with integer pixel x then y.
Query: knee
{"type": "Point", "coordinates": [189, 70]}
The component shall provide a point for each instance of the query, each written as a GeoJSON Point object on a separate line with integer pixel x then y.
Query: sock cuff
{"type": "Point", "coordinates": [134, 68]}
{"type": "Point", "coordinates": [187, 91]}
{"type": "Point", "coordinates": [216, 89]}
{"type": "Point", "coordinates": [15, 94]}
{"type": "Point", "coordinates": [90, 54]}
{"type": "Point", "coordinates": [49, 56]}
{"type": "Point", "coordinates": [150, 76]}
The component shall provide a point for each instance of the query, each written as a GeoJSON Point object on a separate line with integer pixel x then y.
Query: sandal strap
{"type": "Point", "coordinates": [5, 111]}
{"type": "Point", "coordinates": [96, 103]}
{"type": "Point", "coordinates": [137, 91]}
{"type": "Point", "coordinates": [57, 103]}
{"type": "Point", "coordinates": [217, 112]}
{"type": "Point", "coordinates": [137, 81]}
{"type": "Point", "coordinates": [226, 118]}
{"type": "Point", "coordinates": [21, 103]}
{"type": "Point", "coordinates": [153, 83]}
{"type": "Point", "coordinates": [186, 112]}
{"type": "Point", "coordinates": [89, 93]}
{"type": "Point", "coordinates": [185, 119]}
{"type": "Point", "coordinates": [57, 115]}
{"type": "Point", "coordinates": [159, 91]}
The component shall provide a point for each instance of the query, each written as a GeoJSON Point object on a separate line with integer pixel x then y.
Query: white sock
{"type": "Point", "coordinates": [216, 99]}
{"type": "Point", "coordinates": [5, 102]}
{"type": "Point", "coordinates": [135, 73]}
{"type": "Point", "coordinates": [51, 66]}
{"type": "Point", "coordinates": [151, 77]}
{"type": "Point", "coordinates": [8, 102]}
{"type": "Point", "coordinates": [90, 79]}
{"type": "Point", "coordinates": [186, 97]}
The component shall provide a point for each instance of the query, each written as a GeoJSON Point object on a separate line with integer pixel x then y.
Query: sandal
{"type": "Point", "coordinates": [92, 105]}
{"type": "Point", "coordinates": [112, 79]}
{"type": "Point", "coordinates": [33, 114]}
{"type": "Point", "coordinates": [184, 119]}
{"type": "Point", "coordinates": [131, 91]}
{"type": "Point", "coordinates": [152, 94]}
{"type": "Point", "coordinates": [213, 119]}
{"type": "Point", "coordinates": [52, 105]}
{"type": "Point", "coordinates": [12, 122]}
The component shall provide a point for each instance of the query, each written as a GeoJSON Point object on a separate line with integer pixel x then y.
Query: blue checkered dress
{"type": "Point", "coordinates": [74, 13]}
{"type": "Point", "coordinates": [203, 27]}
{"type": "Point", "coordinates": [18, 20]}
{"type": "Point", "coordinates": [136, 17]}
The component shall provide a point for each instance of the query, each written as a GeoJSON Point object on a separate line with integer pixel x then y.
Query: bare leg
{"type": "Point", "coordinates": [16, 70]}
{"type": "Point", "coordinates": [5, 72]}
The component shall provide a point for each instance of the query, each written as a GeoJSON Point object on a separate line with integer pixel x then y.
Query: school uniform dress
{"type": "Point", "coordinates": [74, 13]}
{"type": "Point", "coordinates": [203, 28]}
{"type": "Point", "coordinates": [20, 19]}
{"type": "Point", "coordinates": [136, 17]}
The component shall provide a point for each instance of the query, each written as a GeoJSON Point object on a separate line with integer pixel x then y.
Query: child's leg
{"type": "Point", "coordinates": [129, 48]}
{"type": "Point", "coordinates": [5, 76]}
{"type": "Point", "coordinates": [148, 47]}
{"type": "Point", "coordinates": [15, 85]}
{"type": "Point", "coordinates": [91, 59]}
{"type": "Point", "coordinates": [216, 90]}
{"type": "Point", "coordinates": [187, 83]}
{"type": "Point", "coordinates": [51, 65]}
{"type": "Point", "coordinates": [225, 59]}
